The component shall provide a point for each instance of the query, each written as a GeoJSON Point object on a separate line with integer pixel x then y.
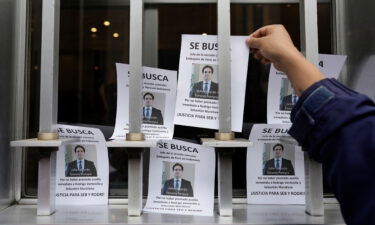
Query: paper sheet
{"type": "Point", "coordinates": [158, 96]}
{"type": "Point", "coordinates": [194, 167]}
{"type": "Point", "coordinates": [275, 170]}
{"type": "Point", "coordinates": [281, 97]}
{"type": "Point", "coordinates": [82, 167]}
{"type": "Point", "coordinates": [197, 97]}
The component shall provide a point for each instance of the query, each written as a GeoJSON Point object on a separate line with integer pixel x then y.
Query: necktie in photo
{"type": "Point", "coordinates": [278, 164]}
{"type": "Point", "coordinates": [80, 166]}
{"type": "Point", "coordinates": [294, 99]}
{"type": "Point", "coordinates": [206, 87]}
{"type": "Point", "coordinates": [176, 185]}
{"type": "Point", "coordinates": [148, 113]}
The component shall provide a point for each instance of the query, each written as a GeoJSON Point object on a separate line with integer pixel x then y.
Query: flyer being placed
{"type": "Point", "coordinates": [275, 170]}
{"type": "Point", "coordinates": [158, 96]}
{"type": "Point", "coordinates": [82, 167]}
{"type": "Point", "coordinates": [198, 87]}
{"type": "Point", "coordinates": [181, 179]}
{"type": "Point", "coordinates": [281, 97]}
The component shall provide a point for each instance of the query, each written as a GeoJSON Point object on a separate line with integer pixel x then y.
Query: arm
{"type": "Point", "coordinates": [336, 124]}
{"type": "Point", "coordinates": [192, 91]}
{"type": "Point", "coordinates": [94, 173]}
{"type": "Point", "coordinates": [291, 168]}
{"type": "Point", "coordinates": [165, 188]}
{"type": "Point", "coordinates": [67, 171]}
{"type": "Point", "coordinates": [160, 120]}
{"type": "Point", "coordinates": [265, 169]}
{"type": "Point", "coordinates": [190, 189]}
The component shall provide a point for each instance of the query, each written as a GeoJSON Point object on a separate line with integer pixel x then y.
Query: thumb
{"type": "Point", "coordinates": [253, 42]}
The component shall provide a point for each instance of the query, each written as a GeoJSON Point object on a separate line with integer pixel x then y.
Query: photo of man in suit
{"type": "Point", "coordinates": [206, 88]}
{"type": "Point", "coordinates": [80, 167]}
{"type": "Point", "coordinates": [151, 115]}
{"type": "Point", "coordinates": [177, 186]}
{"type": "Point", "coordinates": [278, 165]}
{"type": "Point", "coordinates": [288, 102]}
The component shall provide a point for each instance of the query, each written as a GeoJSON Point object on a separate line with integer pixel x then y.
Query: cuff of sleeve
{"type": "Point", "coordinates": [311, 111]}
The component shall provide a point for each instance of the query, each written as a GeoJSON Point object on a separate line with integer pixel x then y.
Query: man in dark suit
{"type": "Point", "coordinates": [151, 115]}
{"type": "Point", "coordinates": [288, 102]}
{"type": "Point", "coordinates": [177, 186]}
{"type": "Point", "coordinates": [80, 167]}
{"type": "Point", "coordinates": [207, 88]}
{"type": "Point", "coordinates": [278, 165]}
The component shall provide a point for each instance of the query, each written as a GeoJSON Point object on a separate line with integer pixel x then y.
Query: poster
{"type": "Point", "coordinates": [158, 96]}
{"type": "Point", "coordinates": [281, 97]}
{"type": "Point", "coordinates": [198, 87]}
{"type": "Point", "coordinates": [82, 167]}
{"type": "Point", "coordinates": [181, 179]}
{"type": "Point", "coordinates": [275, 170]}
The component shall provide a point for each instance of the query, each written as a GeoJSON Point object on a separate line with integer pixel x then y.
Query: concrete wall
{"type": "Point", "coordinates": [356, 40]}
{"type": "Point", "coordinates": [6, 53]}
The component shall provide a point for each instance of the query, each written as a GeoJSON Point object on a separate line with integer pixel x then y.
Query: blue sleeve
{"type": "Point", "coordinates": [337, 125]}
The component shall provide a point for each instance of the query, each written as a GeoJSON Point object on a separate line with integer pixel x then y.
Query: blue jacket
{"type": "Point", "coordinates": [337, 125]}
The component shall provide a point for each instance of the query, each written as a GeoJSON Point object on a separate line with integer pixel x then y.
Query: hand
{"type": "Point", "coordinates": [272, 44]}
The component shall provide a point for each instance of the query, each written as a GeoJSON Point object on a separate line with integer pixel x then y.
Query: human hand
{"type": "Point", "coordinates": [272, 44]}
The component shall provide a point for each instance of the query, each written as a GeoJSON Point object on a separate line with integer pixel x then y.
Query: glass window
{"type": "Point", "coordinates": [94, 35]}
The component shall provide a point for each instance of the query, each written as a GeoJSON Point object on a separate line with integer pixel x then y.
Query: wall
{"type": "Point", "coordinates": [6, 41]}
{"type": "Point", "coordinates": [356, 40]}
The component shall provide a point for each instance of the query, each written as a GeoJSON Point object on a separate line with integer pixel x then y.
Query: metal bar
{"type": "Point", "coordinates": [135, 176]}
{"type": "Point", "coordinates": [19, 115]}
{"type": "Point", "coordinates": [232, 1]}
{"type": "Point", "coordinates": [135, 59]}
{"type": "Point", "coordinates": [339, 33]}
{"type": "Point", "coordinates": [223, 27]}
{"type": "Point", "coordinates": [314, 187]}
{"type": "Point", "coordinates": [126, 2]}
{"type": "Point", "coordinates": [309, 30]}
{"type": "Point", "coordinates": [309, 47]}
{"type": "Point", "coordinates": [150, 50]}
{"type": "Point", "coordinates": [80, 83]}
{"type": "Point", "coordinates": [225, 181]}
{"type": "Point", "coordinates": [46, 185]}
{"type": "Point", "coordinates": [49, 65]}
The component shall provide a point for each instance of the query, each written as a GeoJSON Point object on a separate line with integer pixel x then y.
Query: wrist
{"type": "Point", "coordinates": [301, 73]}
{"type": "Point", "coordinates": [291, 60]}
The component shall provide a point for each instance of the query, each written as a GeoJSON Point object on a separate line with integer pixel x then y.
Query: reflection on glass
{"type": "Point", "coordinates": [87, 76]}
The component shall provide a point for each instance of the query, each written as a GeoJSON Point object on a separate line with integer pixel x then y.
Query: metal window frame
{"type": "Point", "coordinates": [21, 101]}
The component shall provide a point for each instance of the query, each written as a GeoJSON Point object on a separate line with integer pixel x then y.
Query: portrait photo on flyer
{"type": "Point", "coordinates": [158, 102]}
{"type": "Point", "coordinates": [179, 179]}
{"type": "Point", "coordinates": [82, 167]}
{"type": "Point", "coordinates": [275, 170]}
{"type": "Point", "coordinates": [198, 87]}
{"type": "Point", "coordinates": [281, 97]}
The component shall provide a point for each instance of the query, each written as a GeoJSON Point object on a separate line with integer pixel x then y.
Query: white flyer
{"type": "Point", "coordinates": [275, 170]}
{"type": "Point", "coordinates": [158, 96]}
{"type": "Point", "coordinates": [197, 97]}
{"type": "Point", "coordinates": [82, 167]}
{"type": "Point", "coordinates": [281, 97]}
{"type": "Point", "coordinates": [181, 179]}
